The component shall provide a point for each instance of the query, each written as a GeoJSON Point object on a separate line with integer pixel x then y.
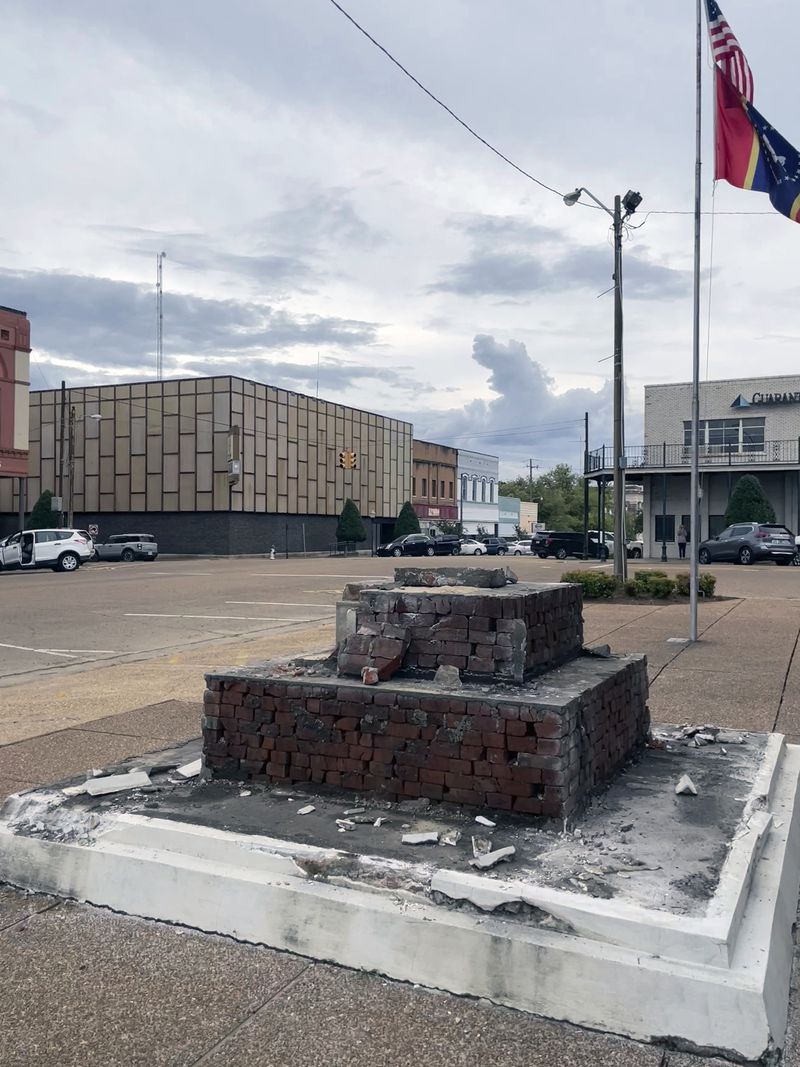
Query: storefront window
{"type": "Point", "coordinates": [753, 435]}
{"type": "Point", "coordinates": [665, 524]}
{"type": "Point", "coordinates": [727, 435]}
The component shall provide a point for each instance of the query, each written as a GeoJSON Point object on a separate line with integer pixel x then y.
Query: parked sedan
{"type": "Point", "coordinates": [420, 545]}
{"type": "Point", "coordinates": [519, 548]}
{"type": "Point", "coordinates": [750, 542]}
{"type": "Point", "coordinates": [470, 547]}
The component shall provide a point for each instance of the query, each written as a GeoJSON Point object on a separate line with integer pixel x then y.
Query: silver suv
{"type": "Point", "coordinates": [60, 550]}
{"type": "Point", "coordinates": [127, 547]}
{"type": "Point", "coordinates": [749, 542]}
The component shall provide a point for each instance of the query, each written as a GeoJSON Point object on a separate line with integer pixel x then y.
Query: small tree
{"type": "Point", "coordinates": [749, 503]}
{"type": "Point", "coordinates": [449, 528]}
{"type": "Point", "coordinates": [42, 515]}
{"type": "Point", "coordinates": [350, 526]}
{"type": "Point", "coordinates": [407, 521]}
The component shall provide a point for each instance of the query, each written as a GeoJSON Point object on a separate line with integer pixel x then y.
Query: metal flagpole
{"type": "Point", "coordinates": [694, 532]}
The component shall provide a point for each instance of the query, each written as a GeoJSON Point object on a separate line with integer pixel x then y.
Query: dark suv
{"type": "Point", "coordinates": [495, 546]}
{"type": "Point", "coordinates": [420, 545]}
{"type": "Point", "coordinates": [749, 542]}
{"type": "Point", "coordinates": [566, 544]}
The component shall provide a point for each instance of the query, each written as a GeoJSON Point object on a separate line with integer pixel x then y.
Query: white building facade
{"type": "Point", "coordinates": [508, 517]}
{"type": "Point", "coordinates": [478, 499]}
{"type": "Point", "coordinates": [747, 426]}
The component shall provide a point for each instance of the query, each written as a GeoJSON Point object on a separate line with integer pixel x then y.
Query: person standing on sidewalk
{"type": "Point", "coordinates": [682, 537]}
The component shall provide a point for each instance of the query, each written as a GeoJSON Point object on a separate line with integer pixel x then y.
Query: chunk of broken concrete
{"type": "Point", "coordinates": [686, 786]}
{"type": "Point", "coordinates": [369, 676]}
{"type": "Point", "coordinates": [306, 810]}
{"type": "Point", "coordinates": [426, 838]}
{"type": "Point", "coordinates": [484, 821]}
{"type": "Point", "coordinates": [603, 651]}
{"type": "Point", "coordinates": [116, 783]}
{"type": "Point", "coordinates": [447, 677]}
{"type": "Point", "coordinates": [474, 577]}
{"type": "Point", "coordinates": [451, 837]}
{"type": "Point", "coordinates": [481, 846]}
{"type": "Point", "coordinates": [190, 770]}
{"type": "Point", "coordinates": [491, 859]}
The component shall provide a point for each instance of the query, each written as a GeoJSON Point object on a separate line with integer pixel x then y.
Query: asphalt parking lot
{"type": "Point", "coordinates": [109, 612]}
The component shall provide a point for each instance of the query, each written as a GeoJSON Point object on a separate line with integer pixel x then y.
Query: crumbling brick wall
{"type": "Point", "coordinates": [511, 633]}
{"type": "Point", "coordinates": [537, 753]}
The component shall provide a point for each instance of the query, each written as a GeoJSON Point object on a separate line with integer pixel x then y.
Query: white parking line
{"type": "Point", "coordinates": [41, 651]}
{"type": "Point", "coordinates": [279, 604]}
{"type": "Point", "coordinates": [283, 574]}
{"type": "Point", "coordinates": [238, 618]}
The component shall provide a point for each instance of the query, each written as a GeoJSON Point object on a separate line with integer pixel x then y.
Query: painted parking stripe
{"type": "Point", "coordinates": [236, 618]}
{"type": "Point", "coordinates": [279, 604]}
{"type": "Point", "coordinates": [284, 574]}
{"type": "Point", "coordinates": [41, 651]}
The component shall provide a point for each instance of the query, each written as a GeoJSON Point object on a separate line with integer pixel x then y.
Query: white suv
{"type": "Point", "coordinates": [61, 550]}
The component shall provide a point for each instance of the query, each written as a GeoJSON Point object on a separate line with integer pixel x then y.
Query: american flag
{"type": "Point", "coordinates": [727, 53]}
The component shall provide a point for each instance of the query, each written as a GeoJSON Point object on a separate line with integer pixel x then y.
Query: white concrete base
{"type": "Point", "coordinates": [719, 982]}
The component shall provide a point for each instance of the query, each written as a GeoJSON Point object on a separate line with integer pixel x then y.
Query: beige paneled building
{"type": "Point", "coordinates": [215, 464]}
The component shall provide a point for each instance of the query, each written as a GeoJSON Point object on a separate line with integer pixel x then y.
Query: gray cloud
{"type": "Point", "coordinates": [111, 323]}
{"type": "Point", "coordinates": [507, 259]}
{"type": "Point", "coordinates": [526, 417]}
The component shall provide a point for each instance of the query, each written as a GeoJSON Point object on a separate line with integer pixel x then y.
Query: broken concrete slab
{"type": "Point", "coordinates": [686, 786]}
{"type": "Point", "coordinates": [116, 783]}
{"type": "Point", "coordinates": [425, 838]}
{"type": "Point", "coordinates": [474, 577]}
{"type": "Point", "coordinates": [448, 677]}
{"type": "Point", "coordinates": [190, 770]}
{"type": "Point", "coordinates": [490, 859]}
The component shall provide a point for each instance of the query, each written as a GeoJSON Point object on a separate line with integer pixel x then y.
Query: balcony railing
{"type": "Point", "coordinates": [644, 457]}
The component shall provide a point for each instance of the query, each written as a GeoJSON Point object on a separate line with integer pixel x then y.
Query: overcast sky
{"type": "Point", "coordinates": [315, 205]}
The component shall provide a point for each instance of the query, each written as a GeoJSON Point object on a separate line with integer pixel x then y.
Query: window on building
{"type": "Point", "coordinates": [665, 527]}
{"type": "Point", "coordinates": [433, 487]}
{"type": "Point", "coordinates": [424, 486]}
{"type": "Point", "coordinates": [716, 524]}
{"type": "Point", "coordinates": [491, 492]}
{"type": "Point", "coordinates": [464, 486]}
{"type": "Point", "coordinates": [474, 488]}
{"type": "Point", "coordinates": [753, 435]}
{"type": "Point", "coordinates": [413, 486]}
{"type": "Point", "coordinates": [727, 435]}
{"type": "Point", "coordinates": [450, 494]}
{"type": "Point", "coordinates": [5, 335]}
{"type": "Point", "coordinates": [441, 489]}
{"type": "Point", "coordinates": [483, 490]}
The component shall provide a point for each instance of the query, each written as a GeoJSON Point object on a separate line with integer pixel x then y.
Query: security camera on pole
{"type": "Point", "coordinates": [629, 202]}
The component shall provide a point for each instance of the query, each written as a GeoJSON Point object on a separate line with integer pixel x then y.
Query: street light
{"type": "Point", "coordinates": [629, 202]}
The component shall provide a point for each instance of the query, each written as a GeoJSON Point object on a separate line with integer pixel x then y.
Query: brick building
{"type": "Point", "coordinates": [215, 465]}
{"type": "Point", "coordinates": [433, 483]}
{"type": "Point", "coordinates": [15, 348]}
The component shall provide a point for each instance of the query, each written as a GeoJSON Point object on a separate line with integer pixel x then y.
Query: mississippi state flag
{"type": "Point", "coordinates": [749, 152]}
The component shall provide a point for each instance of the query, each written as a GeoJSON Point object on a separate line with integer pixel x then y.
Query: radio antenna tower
{"type": "Point", "coordinates": [160, 315]}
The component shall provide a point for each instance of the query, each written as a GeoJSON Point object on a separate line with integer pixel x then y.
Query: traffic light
{"type": "Point", "coordinates": [348, 461]}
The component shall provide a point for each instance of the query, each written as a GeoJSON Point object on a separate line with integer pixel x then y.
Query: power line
{"type": "Point", "coordinates": [441, 103]}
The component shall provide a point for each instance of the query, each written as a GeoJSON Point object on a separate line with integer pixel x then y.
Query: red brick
{"type": "Point", "coordinates": [554, 777]}
{"type": "Point", "coordinates": [429, 789]}
{"type": "Point", "coordinates": [401, 729]}
{"type": "Point", "coordinates": [529, 805]}
{"type": "Point", "coordinates": [515, 728]}
{"type": "Point", "coordinates": [523, 744]}
{"type": "Point", "coordinates": [301, 759]}
{"type": "Point", "coordinates": [497, 755]}
{"type": "Point", "coordinates": [459, 781]}
{"type": "Point", "coordinates": [431, 777]}
{"type": "Point", "coordinates": [549, 746]}
{"type": "Point", "coordinates": [276, 769]}
{"type": "Point", "coordinates": [448, 749]}
{"type": "Point", "coordinates": [471, 752]}
{"type": "Point", "coordinates": [464, 796]}
{"type": "Point", "coordinates": [353, 781]}
{"type": "Point", "coordinates": [517, 789]}
{"type": "Point", "coordinates": [286, 744]}
{"type": "Point", "coordinates": [389, 743]}
{"type": "Point", "coordinates": [494, 740]}
{"type": "Point", "coordinates": [380, 770]}
{"type": "Point", "coordinates": [347, 722]}
{"type": "Point", "coordinates": [499, 800]}
{"type": "Point", "coordinates": [525, 774]}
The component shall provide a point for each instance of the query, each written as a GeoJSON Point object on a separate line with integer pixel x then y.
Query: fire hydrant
{"type": "Point", "coordinates": [272, 552]}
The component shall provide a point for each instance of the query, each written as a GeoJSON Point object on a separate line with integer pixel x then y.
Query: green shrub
{"type": "Point", "coordinates": [594, 585]}
{"type": "Point", "coordinates": [631, 588]}
{"type": "Point", "coordinates": [407, 521]}
{"type": "Point", "coordinates": [707, 583]}
{"type": "Point", "coordinates": [645, 576]}
{"type": "Point", "coordinates": [682, 584]}
{"type": "Point", "coordinates": [350, 526]}
{"type": "Point", "coordinates": [661, 588]}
